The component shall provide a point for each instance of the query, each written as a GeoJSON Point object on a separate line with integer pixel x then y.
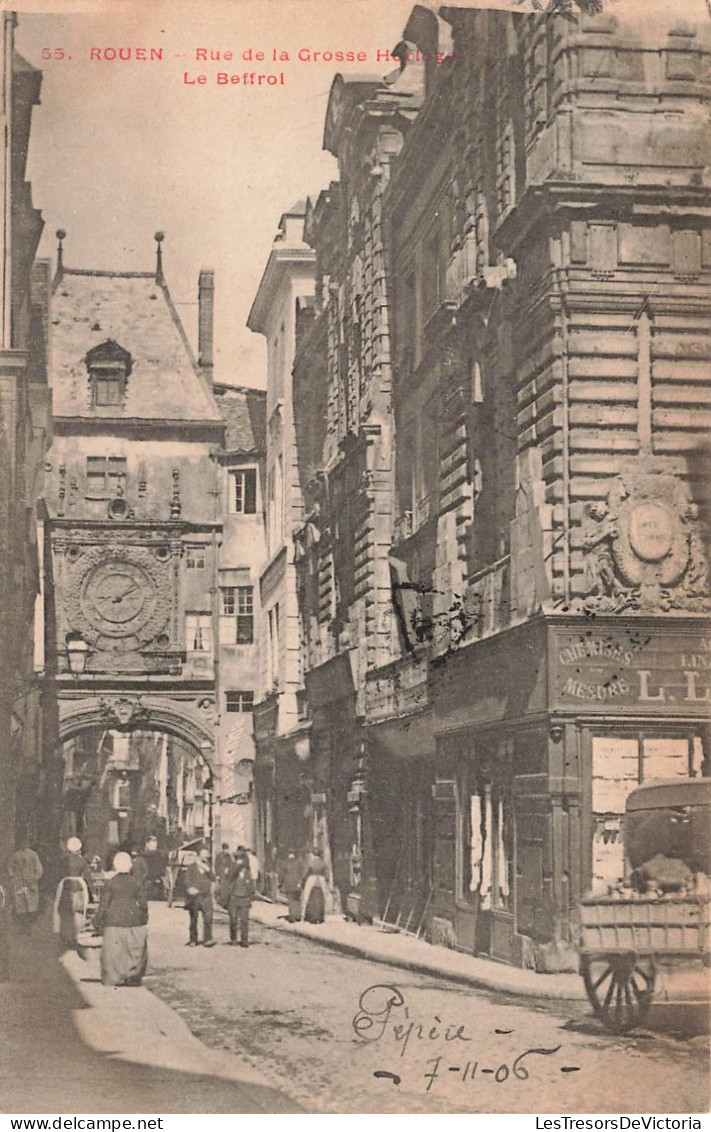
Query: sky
{"type": "Point", "coordinates": [122, 149]}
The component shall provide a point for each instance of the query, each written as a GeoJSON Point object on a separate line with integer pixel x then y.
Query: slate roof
{"type": "Point", "coordinates": [132, 309]}
{"type": "Point", "coordinates": [244, 412]}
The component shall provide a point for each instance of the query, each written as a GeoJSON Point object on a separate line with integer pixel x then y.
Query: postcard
{"type": "Point", "coordinates": [354, 510]}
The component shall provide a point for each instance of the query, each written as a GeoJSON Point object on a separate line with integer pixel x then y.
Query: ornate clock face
{"type": "Point", "coordinates": [118, 597]}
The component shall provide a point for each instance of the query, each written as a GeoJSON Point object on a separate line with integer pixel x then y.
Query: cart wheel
{"type": "Point", "coordinates": [620, 988]}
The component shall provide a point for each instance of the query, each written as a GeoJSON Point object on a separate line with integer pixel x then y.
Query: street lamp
{"type": "Point", "coordinates": [77, 652]}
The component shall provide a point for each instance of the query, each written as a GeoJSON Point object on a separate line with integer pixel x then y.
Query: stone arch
{"type": "Point", "coordinates": [131, 713]}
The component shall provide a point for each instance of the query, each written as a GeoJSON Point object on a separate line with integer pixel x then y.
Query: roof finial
{"type": "Point", "coordinates": [60, 250]}
{"type": "Point", "coordinates": [159, 237]}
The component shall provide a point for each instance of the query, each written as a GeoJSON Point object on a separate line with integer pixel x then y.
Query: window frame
{"type": "Point", "coordinates": [244, 701]}
{"type": "Point", "coordinates": [242, 501]}
{"type": "Point", "coordinates": [113, 476]}
{"type": "Point", "coordinates": [244, 615]}
{"type": "Point", "coordinates": [198, 551]}
{"type": "Point", "coordinates": [203, 625]}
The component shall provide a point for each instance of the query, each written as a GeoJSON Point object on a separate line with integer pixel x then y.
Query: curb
{"type": "Point", "coordinates": [422, 967]}
{"type": "Point", "coordinates": [165, 1042]}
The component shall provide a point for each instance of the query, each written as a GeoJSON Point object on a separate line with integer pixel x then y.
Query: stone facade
{"type": "Point", "coordinates": [26, 716]}
{"type": "Point", "coordinates": [282, 818]}
{"type": "Point", "coordinates": [503, 566]}
{"type": "Point", "coordinates": [241, 555]}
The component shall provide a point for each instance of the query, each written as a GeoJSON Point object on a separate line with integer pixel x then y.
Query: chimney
{"type": "Point", "coordinates": [206, 304]}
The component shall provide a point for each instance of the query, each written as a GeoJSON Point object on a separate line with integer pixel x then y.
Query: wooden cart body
{"type": "Point", "coordinates": [626, 935]}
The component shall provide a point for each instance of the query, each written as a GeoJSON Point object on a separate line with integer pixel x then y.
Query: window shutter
{"type": "Point", "coordinates": [250, 491]}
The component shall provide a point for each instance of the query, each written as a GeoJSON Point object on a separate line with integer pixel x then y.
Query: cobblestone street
{"type": "Point", "coordinates": [288, 1006]}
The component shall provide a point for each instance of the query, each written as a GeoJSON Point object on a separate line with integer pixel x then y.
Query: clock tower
{"type": "Point", "coordinates": [134, 510]}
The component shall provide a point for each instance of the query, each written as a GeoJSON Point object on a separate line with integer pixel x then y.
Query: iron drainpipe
{"type": "Point", "coordinates": [214, 799]}
{"type": "Point", "coordinates": [566, 434]}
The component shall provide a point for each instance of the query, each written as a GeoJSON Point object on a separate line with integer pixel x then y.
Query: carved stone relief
{"type": "Point", "coordinates": [643, 548]}
{"type": "Point", "coordinates": [118, 596]}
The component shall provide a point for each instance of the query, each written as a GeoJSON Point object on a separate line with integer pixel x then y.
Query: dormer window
{"type": "Point", "coordinates": [109, 367]}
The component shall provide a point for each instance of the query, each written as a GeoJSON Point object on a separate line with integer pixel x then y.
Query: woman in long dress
{"type": "Point", "coordinates": [314, 895]}
{"type": "Point", "coordinates": [26, 873]}
{"type": "Point", "coordinates": [73, 894]}
{"type": "Point", "coordinates": [121, 918]}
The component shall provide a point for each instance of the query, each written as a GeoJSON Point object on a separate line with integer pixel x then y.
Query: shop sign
{"type": "Point", "coordinates": [645, 670]}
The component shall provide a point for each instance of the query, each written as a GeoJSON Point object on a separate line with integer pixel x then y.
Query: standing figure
{"type": "Point", "coordinates": [291, 883]}
{"type": "Point", "coordinates": [139, 866]}
{"type": "Point", "coordinates": [74, 892]}
{"type": "Point", "coordinates": [25, 874]}
{"type": "Point", "coordinates": [198, 886]}
{"type": "Point", "coordinates": [241, 893]}
{"type": "Point", "coordinates": [224, 870]}
{"type": "Point", "coordinates": [314, 898]}
{"type": "Point", "coordinates": [254, 867]}
{"type": "Point", "coordinates": [121, 918]}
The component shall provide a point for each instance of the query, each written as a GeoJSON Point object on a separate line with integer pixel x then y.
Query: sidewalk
{"type": "Point", "coordinates": [71, 1045]}
{"type": "Point", "coordinates": [400, 950]}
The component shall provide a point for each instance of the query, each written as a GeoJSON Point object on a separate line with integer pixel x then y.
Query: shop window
{"type": "Point", "coordinates": [619, 764]}
{"type": "Point", "coordinates": [239, 701]}
{"type": "Point", "coordinates": [198, 632]}
{"type": "Point", "coordinates": [486, 844]}
{"type": "Point", "coordinates": [243, 491]}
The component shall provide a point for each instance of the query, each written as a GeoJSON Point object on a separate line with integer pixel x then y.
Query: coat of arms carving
{"type": "Point", "coordinates": [643, 548]}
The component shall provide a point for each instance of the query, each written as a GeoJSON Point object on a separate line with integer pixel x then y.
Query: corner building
{"type": "Point", "coordinates": [505, 581]}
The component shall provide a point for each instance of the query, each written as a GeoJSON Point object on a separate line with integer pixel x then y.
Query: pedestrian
{"type": "Point", "coordinates": [122, 918]}
{"type": "Point", "coordinates": [241, 893]}
{"type": "Point", "coordinates": [291, 884]}
{"type": "Point", "coordinates": [25, 874]}
{"type": "Point", "coordinates": [314, 897]}
{"type": "Point", "coordinates": [253, 860]}
{"type": "Point", "coordinates": [199, 878]}
{"type": "Point", "coordinates": [241, 856]}
{"type": "Point", "coordinates": [224, 870]}
{"type": "Point", "coordinates": [74, 893]}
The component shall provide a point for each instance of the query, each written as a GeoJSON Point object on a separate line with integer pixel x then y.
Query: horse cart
{"type": "Point", "coordinates": [648, 939]}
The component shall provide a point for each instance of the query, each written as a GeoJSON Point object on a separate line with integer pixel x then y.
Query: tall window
{"type": "Point", "coordinates": [245, 615]}
{"type": "Point", "coordinates": [273, 646]}
{"type": "Point", "coordinates": [243, 491]}
{"type": "Point", "coordinates": [239, 701]}
{"type": "Point", "coordinates": [198, 632]}
{"type": "Point", "coordinates": [237, 612]}
{"type": "Point", "coordinates": [105, 476]}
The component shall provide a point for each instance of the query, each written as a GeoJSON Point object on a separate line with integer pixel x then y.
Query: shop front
{"type": "Point", "coordinates": [541, 732]}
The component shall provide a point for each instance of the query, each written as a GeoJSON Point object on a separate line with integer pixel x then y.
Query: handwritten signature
{"type": "Point", "coordinates": [374, 1018]}
{"type": "Point", "coordinates": [382, 1010]}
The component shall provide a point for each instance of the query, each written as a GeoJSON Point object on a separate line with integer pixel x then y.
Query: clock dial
{"type": "Point", "coordinates": [118, 598]}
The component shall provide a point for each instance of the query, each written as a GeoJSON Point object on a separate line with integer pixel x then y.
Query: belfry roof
{"type": "Point", "coordinates": [135, 311]}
